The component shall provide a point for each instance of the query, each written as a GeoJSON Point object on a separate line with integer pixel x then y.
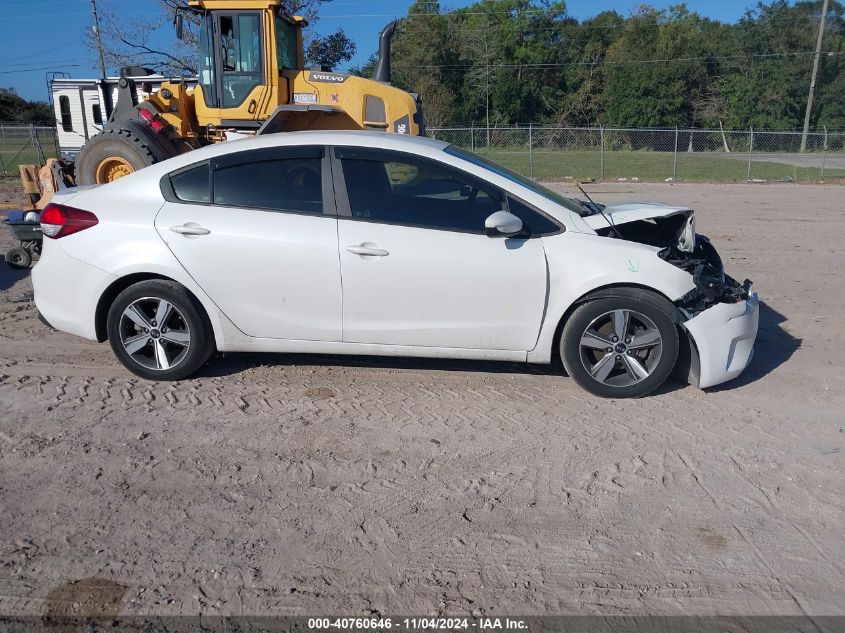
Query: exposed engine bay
{"type": "Point", "coordinates": [672, 229]}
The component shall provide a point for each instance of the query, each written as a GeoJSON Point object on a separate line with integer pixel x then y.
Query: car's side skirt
{"type": "Point", "coordinates": [369, 349]}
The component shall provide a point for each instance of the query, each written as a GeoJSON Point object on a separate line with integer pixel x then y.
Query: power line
{"type": "Point", "coordinates": [42, 52]}
{"type": "Point", "coordinates": [32, 70]}
{"type": "Point", "coordinates": [632, 61]}
{"type": "Point", "coordinates": [452, 27]}
{"type": "Point", "coordinates": [29, 63]}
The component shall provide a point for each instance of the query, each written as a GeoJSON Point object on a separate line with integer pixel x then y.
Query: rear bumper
{"type": "Point", "coordinates": [67, 291]}
{"type": "Point", "coordinates": [724, 338]}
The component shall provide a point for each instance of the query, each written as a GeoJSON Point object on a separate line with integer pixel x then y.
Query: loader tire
{"type": "Point", "coordinates": [110, 155]}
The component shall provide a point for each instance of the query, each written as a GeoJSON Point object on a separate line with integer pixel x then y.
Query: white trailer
{"type": "Point", "coordinates": [80, 111]}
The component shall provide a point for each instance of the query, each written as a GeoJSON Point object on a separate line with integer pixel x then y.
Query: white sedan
{"type": "Point", "coordinates": [370, 243]}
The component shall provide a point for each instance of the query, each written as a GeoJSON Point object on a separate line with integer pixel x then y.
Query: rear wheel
{"type": "Point", "coordinates": [620, 347]}
{"type": "Point", "coordinates": [159, 331]}
{"type": "Point", "coordinates": [110, 155]}
{"type": "Point", "coordinates": [18, 257]}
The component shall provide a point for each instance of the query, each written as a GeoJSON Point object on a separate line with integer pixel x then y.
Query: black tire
{"type": "Point", "coordinates": [111, 142]}
{"type": "Point", "coordinates": [18, 257]}
{"type": "Point", "coordinates": [638, 303]}
{"type": "Point", "coordinates": [188, 309]}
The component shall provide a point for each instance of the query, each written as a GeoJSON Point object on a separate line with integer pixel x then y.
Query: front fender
{"type": "Point", "coordinates": [580, 264]}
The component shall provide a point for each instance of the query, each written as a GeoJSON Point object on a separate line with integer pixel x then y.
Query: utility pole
{"type": "Point", "coordinates": [487, 87]}
{"type": "Point", "coordinates": [813, 78]}
{"type": "Point", "coordinates": [99, 40]}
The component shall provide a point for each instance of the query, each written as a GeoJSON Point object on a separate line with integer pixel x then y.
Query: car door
{"type": "Point", "coordinates": [418, 268]}
{"type": "Point", "coordinates": [257, 231]}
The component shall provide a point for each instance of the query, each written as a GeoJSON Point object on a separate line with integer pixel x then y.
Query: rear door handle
{"type": "Point", "coordinates": [360, 249]}
{"type": "Point", "coordinates": [190, 228]}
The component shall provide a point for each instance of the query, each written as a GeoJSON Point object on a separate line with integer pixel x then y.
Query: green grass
{"type": "Point", "coordinates": [649, 166]}
{"type": "Point", "coordinates": [19, 151]}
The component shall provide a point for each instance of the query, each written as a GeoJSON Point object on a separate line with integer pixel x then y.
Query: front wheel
{"type": "Point", "coordinates": [159, 331]}
{"type": "Point", "coordinates": [620, 347]}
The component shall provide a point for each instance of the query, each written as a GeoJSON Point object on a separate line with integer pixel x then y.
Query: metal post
{"type": "Point", "coordinates": [750, 152]}
{"type": "Point", "coordinates": [675, 157]}
{"type": "Point", "coordinates": [472, 135]}
{"type": "Point", "coordinates": [39, 151]}
{"type": "Point", "coordinates": [531, 151]}
{"type": "Point", "coordinates": [824, 152]}
{"type": "Point", "coordinates": [487, 88]}
{"type": "Point", "coordinates": [601, 152]}
{"type": "Point", "coordinates": [2, 168]}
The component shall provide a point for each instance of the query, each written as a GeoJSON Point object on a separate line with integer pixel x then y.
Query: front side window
{"type": "Point", "coordinates": [64, 110]}
{"type": "Point", "coordinates": [286, 44]}
{"type": "Point", "coordinates": [206, 65]}
{"type": "Point", "coordinates": [534, 222]}
{"type": "Point", "coordinates": [274, 184]}
{"type": "Point", "coordinates": [400, 189]}
{"type": "Point", "coordinates": [240, 48]}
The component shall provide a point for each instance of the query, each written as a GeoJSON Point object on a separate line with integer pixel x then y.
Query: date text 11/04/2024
{"type": "Point", "coordinates": [417, 624]}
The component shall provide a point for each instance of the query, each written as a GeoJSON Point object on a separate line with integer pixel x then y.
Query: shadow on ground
{"type": "Point", "coordinates": [10, 276]}
{"type": "Point", "coordinates": [774, 347]}
{"type": "Point", "coordinates": [232, 363]}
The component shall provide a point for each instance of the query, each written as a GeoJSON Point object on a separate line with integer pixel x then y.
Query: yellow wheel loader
{"type": "Point", "coordinates": [252, 80]}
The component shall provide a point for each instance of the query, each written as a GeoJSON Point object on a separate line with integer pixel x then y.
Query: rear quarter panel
{"type": "Point", "coordinates": [125, 241]}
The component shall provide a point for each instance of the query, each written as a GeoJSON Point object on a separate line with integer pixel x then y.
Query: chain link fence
{"type": "Point", "coordinates": [558, 153]}
{"type": "Point", "coordinates": [568, 153]}
{"type": "Point", "coordinates": [25, 145]}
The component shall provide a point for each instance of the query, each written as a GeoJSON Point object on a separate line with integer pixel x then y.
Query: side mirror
{"type": "Point", "coordinates": [502, 223]}
{"type": "Point", "coordinates": [179, 21]}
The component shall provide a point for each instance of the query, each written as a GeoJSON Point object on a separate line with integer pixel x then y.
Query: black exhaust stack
{"type": "Point", "coordinates": [382, 70]}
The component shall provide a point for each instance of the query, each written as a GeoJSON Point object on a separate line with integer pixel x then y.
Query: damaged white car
{"type": "Point", "coordinates": [372, 243]}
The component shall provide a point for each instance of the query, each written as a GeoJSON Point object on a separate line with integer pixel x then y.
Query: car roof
{"type": "Point", "coordinates": [357, 138]}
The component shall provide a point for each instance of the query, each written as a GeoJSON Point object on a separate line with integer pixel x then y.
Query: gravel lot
{"type": "Point", "coordinates": [310, 485]}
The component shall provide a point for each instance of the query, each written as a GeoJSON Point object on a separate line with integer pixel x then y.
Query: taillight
{"type": "Point", "coordinates": [60, 221]}
{"type": "Point", "coordinates": [153, 120]}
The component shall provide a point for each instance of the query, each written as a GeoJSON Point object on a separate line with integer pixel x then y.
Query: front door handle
{"type": "Point", "coordinates": [361, 249]}
{"type": "Point", "coordinates": [190, 228]}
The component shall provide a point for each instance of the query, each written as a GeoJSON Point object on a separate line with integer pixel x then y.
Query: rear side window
{"type": "Point", "coordinates": [275, 184]}
{"type": "Point", "coordinates": [193, 185]}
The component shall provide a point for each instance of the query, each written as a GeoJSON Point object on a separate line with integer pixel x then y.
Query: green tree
{"type": "Point", "coordinates": [16, 109]}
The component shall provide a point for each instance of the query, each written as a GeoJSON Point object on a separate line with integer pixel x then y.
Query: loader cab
{"type": "Point", "coordinates": [243, 53]}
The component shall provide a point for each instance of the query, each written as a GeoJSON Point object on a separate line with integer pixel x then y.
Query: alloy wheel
{"type": "Point", "coordinates": [621, 348]}
{"type": "Point", "coordinates": [154, 333]}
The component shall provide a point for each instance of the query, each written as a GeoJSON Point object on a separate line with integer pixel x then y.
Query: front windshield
{"type": "Point", "coordinates": [511, 175]}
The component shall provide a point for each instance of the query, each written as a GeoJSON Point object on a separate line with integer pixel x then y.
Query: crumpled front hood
{"type": "Point", "coordinates": [632, 212]}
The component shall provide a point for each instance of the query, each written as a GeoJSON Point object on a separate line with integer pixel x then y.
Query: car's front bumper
{"type": "Point", "coordinates": [724, 338]}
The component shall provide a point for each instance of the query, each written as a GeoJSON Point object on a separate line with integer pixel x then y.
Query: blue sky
{"type": "Point", "coordinates": [45, 35]}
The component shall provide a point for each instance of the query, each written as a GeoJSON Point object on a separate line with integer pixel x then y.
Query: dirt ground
{"type": "Point", "coordinates": [315, 485]}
